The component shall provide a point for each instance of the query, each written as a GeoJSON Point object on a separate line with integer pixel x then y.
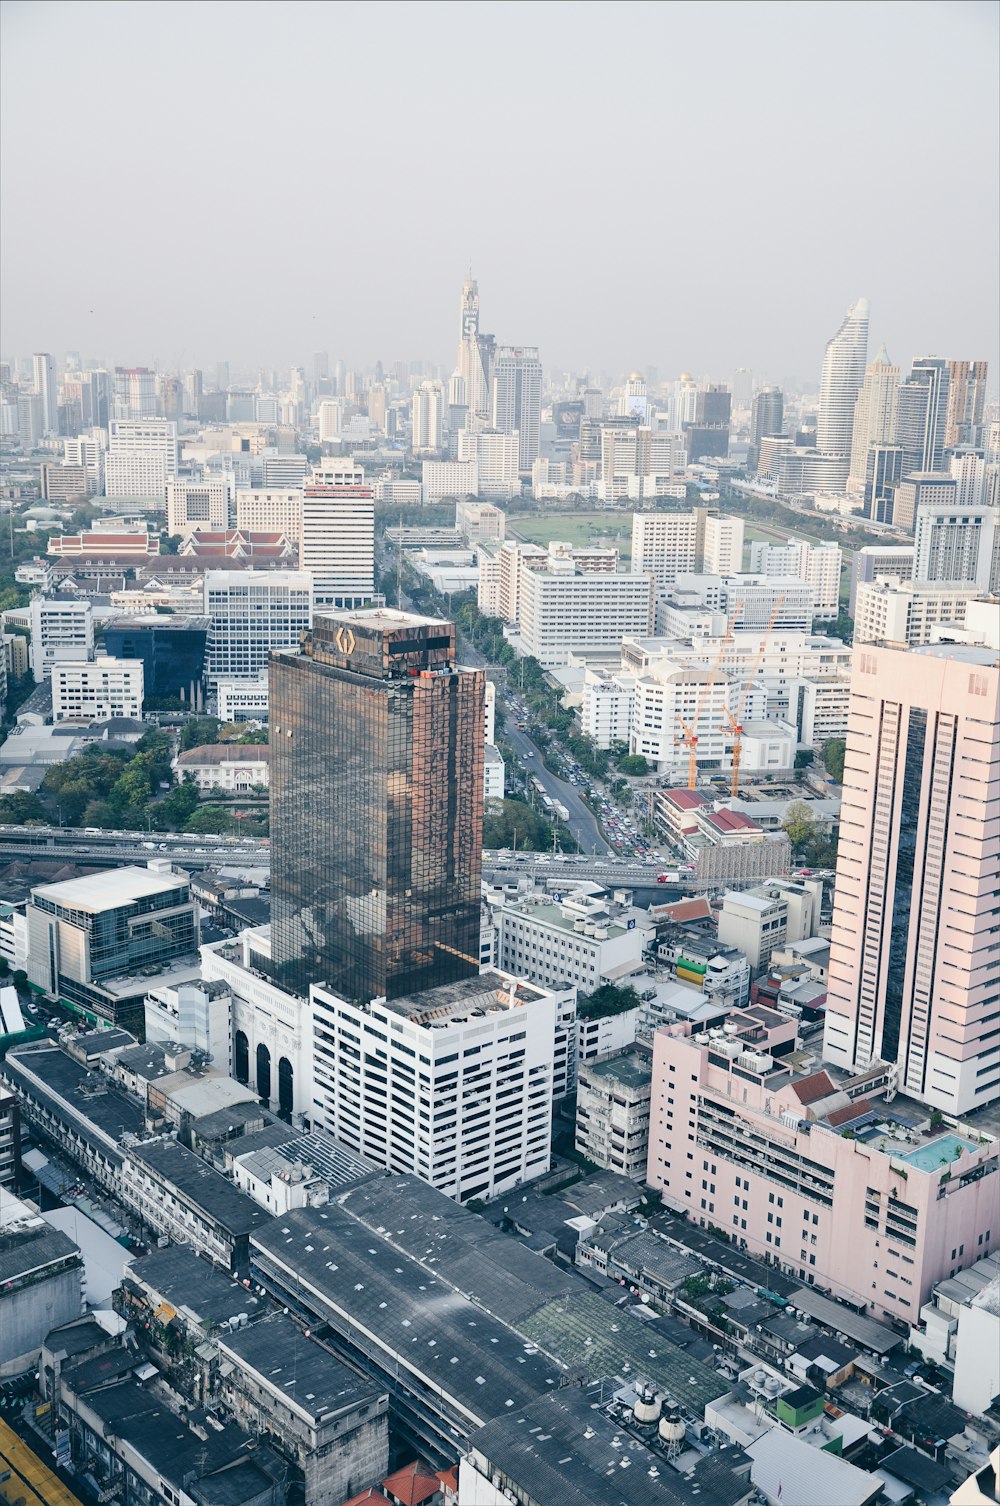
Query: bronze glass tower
{"type": "Point", "coordinates": [376, 807]}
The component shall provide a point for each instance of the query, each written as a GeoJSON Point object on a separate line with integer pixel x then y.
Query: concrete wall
{"type": "Point", "coordinates": [26, 1316]}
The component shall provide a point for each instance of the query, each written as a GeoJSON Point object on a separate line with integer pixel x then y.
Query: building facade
{"type": "Point", "coordinates": [141, 458]}
{"type": "Point", "coordinates": [253, 613]}
{"type": "Point", "coordinates": [96, 690]}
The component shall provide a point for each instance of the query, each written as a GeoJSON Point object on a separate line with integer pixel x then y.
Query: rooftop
{"type": "Point", "coordinates": [110, 889]}
{"type": "Point", "coordinates": [99, 1111]}
{"type": "Point", "coordinates": [200, 1185]}
{"type": "Point", "coordinates": [303, 1371]}
{"type": "Point", "coordinates": [213, 753]}
{"type": "Point", "coordinates": [191, 1285]}
{"type": "Point", "coordinates": [488, 993]}
{"type": "Point", "coordinates": [807, 1476]}
{"type": "Point", "coordinates": [632, 1069]}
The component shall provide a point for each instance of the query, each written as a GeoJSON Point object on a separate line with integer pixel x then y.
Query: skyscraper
{"type": "Point", "coordinates": [475, 354]}
{"type": "Point", "coordinates": [43, 370]}
{"type": "Point", "coordinates": [428, 417]}
{"type": "Point", "coordinates": [517, 398]}
{"type": "Point", "coordinates": [921, 411]}
{"type": "Point", "coordinates": [874, 416]}
{"type": "Point", "coordinates": [840, 382]}
{"type": "Point", "coordinates": [913, 965]}
{"type": "Point", "coordinates": [337, 543]}
{"type": "Point", "coordinates": [767, 418]}
{"type": "Point", "coordinates": [135, 392]}
{"type": "Point", "coordinates": [966, 403]}
{"type": "Point", "coordinates": [376, 807]}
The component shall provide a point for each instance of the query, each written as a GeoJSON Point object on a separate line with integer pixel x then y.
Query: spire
{"type": "Point", "coordinates": [882, 359]}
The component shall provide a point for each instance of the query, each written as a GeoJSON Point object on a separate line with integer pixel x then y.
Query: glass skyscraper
{"type": "Point", "coordinates": [376, 807]}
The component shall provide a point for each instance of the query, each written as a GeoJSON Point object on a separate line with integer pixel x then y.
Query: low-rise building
{"type": "Point", "coordinates": [230, 768]}
{"type": "Point", "coordinates": [760, 921]}
{"type": "Point", "coordinates": [573, 942]}
{"type": "Point", "coordinates": [243, 700]}
{"type": "Point", "coordinates": [907, 613]}
{"type": "Point", "coordinates": [612, 1112]}
{"type": "Point", "coordinates": [41, 1282]}
{"type": "Point", "coordinates": [62, 628]}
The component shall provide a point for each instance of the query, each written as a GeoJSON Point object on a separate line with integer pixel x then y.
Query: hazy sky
{"type": "Point", "coordinates": [688, 186]}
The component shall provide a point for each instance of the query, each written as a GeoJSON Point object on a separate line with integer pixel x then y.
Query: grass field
{"type": "Point", "coordinates": [605, 529]}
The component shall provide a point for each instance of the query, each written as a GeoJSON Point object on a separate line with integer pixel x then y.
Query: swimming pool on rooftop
{"type": "Point", "coordinates": [940, 1152]}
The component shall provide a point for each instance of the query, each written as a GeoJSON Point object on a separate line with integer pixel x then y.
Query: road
{"type": "Point", "coordinates": [129, 847]}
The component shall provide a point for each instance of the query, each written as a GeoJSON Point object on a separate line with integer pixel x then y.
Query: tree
{"type": "Point", "coordinates": [512, 823]}
{"type": "Point", "coordinates": [633, 764]}
{"type": "Point", "coordinates": [20, 979]}
{"type": "Point", "coordinates": [210, 819]}
{"type": "Point", "coordinates": [177, 807]}
{"type": "Point", "coordinates": [199, 731]}
{"type": "Point", "coordinates": [608, 1000]}
{"type": "Point", "coordinates": [800, 824]}
{"type": "Point", "coordinates": [832, 753]}
{"type": "Point", "coordinates": [20, 807]}
{"type": "Point", "coordinates": [4, 967]}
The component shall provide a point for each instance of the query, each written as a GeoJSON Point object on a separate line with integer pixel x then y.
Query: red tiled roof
{"type": "Point", "coordinates": [373, 1493]}
{"type": "Point", "coordinates": [412, 1485]}
{"type": "Point", "coordinates": [686, 800]}
{"type": "Point", "coordinates": [726, 820]}
{"type": "Point", "coordinates": [689, 909]}
{"type": "Point", "coordinates": [854, 1110]}
{"type": "Point", "coordinates": [811, 1089]}
{"type": "Point", "coordinates": [449, 1478]}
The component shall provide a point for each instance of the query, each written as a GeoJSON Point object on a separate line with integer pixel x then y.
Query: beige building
{"type": "Point", "coordinates": [198, 506]}
{"type": "Point", "coordinates": [907, 613]}
{"type": "Point", "coordinates": [268, 511]}
{"type": "Point", "coordinates": [232, 768]}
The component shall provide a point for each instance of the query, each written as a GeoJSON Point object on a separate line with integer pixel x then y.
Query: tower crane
{"type": "Point", "coordinates": [690, 730]}
{"type": "Point", "coordinates": [735, 723]}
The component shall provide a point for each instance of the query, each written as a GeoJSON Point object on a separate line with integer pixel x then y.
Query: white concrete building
{"type": "Point", "coordinates": [955, 543]}
{"type": "Point", "coordinates": [198, 506]}
{"type": "Point", "coordinates": [496, 457]}
{"type": "Point", "coordinates": [427, 422]}
{"type": "Point", "coordinates": [61, 628]}
{"type": "Point", "coordinates": [818, 564]}
{"type": "Point", "coordinates": [264, 510]}
{"type": "Point", "coordinates": [243, 700]}
{"type": "Point", "coordinates": [494, 774]}
{"type": "Point", "coordinates": [141, 458]}
{"type": "Point", "coordinates": [232, 768]}
{"type": "Point", "coordinates": [879, 559]}
{"type": "Point", "coordinates": [575, 942]}
{"type": "Point", "coordinates": [907, 613]}
{"type": "Point", "coordinates": [751, 598]}
{"type": "Point", "coordinates": [723, 546]}
{"type": "Point", "coordinates": [337, 544]}
{"type": "Point", "coordinates": [977, 1351]}
{"type": "Point", "coordinates": [564, 609]}
{"type": "Point", "coordinates": [253, 612]}
{"type": "Point", "coordinates": [668, 544]}
{"type": "Point", "coordinates": [449, 478]}
{"type": "Point", "coordinates": [198, 1015]}
{"type": "Point", "coordinates": [606, 707]}
{"type": "Point", "coordinates": [453, 1085]}
{"type": "Point", "coordinates": [271, 1030]}
{"type": "Point", "coordinates": [480, 522]}
{"type": "Point", "coordinates": [97, 689]}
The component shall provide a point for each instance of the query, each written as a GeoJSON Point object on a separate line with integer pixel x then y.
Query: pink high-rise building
{"type": "Point", "coordinates": [915, 962]}
{"type": "Point", "coordinates": [831, 1185]}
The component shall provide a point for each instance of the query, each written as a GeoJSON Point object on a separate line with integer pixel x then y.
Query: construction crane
{"type": "Point", "coordinates": [735, 723]}
{"type": "Point", "coordinates": [690, 731]}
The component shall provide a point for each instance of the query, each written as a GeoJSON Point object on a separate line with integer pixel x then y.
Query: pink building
{"type": "Point", "coordinates": [832, 1190]}
{"type": "Point", "coordinates": [914, 966]}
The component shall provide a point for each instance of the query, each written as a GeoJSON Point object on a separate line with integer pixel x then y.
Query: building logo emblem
{"type": "Point", "coordinates": [345, 640]}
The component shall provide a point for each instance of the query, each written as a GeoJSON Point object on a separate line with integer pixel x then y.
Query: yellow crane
{"type": "Point", "coordinates": [690, 730]}
{"type": "Point", "coordinates": [735, 723]}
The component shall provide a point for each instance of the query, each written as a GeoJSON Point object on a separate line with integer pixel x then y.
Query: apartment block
{"type": "Point", "coordinates": [753, 600]}
{"type": "Point", "coordinates": [920, 489]}
{"type": "Point", "coordinates": [576, 941]}
{"type": "Point", "coordinates": [958, 544]}
{"type": "Point", "coordinates": [818, 564]}
{"type": "Point", "coordinates": [913, 948]}
{"type": "Point", "coordinates": [879, 559]}
{"type": "Point", "coordinates": [453, 1084]}
{"type": "Point", "coordinates": [337, 542]}
{"type": "Point", "coordinates": [667, 544]}
{"type": "Point", "coordinates": [141, 458]}
{"type": "Point", "coordinates": [612, 1112]}
{"type": "Point", "coordinates": [62, 628]}
{"type": "Point", "coordinates": [564, 609]}
{"type": "Point", "coordinates": [261, 510]}
{"type": "Point", "coordinates": [830, 1185]}
{"type": "Point", "coordinates": [96, 690]}
{"type": "Point", "coordinates": [907, 613]}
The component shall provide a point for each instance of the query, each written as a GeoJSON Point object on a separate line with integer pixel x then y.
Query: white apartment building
{"type": "Point", "coordinates": [329, 419]}
{"type": "Point", "coordinates": [141, 458]}
{"type": "Point", "coordinates": [88, 450]}
{"type": "Point", "coordinates": [823, 707]}
{"type": "Point", "coordinates": [61, 629]}
{"type": "Point", "coordinates": [778, 656]}
{"type": "Point", "coordinates": [453, 1085]}
{"type": "Point", "coordinates": [198, 1015]}
{"type": "Point", "coordinates": [564, 609]}
{"type": "Point", "coordinates": [337, 543]}
{"type": "Point", "coordinates": [243, 700]}
{"type": "Point", "coordinates": [261, 510]}
{"type": "Point", "coordinates": [751, 598]}
{"type": "Point", "coordinates": [913, 977]}
{"type": "Point", "coordinates": [494, 773]}
{"type": "Point", "coordinates": [818, 564]}
{"type": "Point", "coordinates": [253, 612]}
{"type": "Point", "coordinates": [977, 481]}
{"type": "Point", "coordinates": [922, 489]}
{"type": "Point", "coordinates": [954, 543]}
{"type": "Point", "coordinates": [879, 559]}
{"type": "Point", "coordinates": [198, 506]}
{"type": "Point", "coordinates": [637, 462]}
{"type": "Point", "coordinates": [496, 457]}
{"type": "Point", "coordinates": [668, 544]}
{"type": "Point", "coordinates": [449, 478]}
{"type": "Point", "coordinates": [427, 422]}
{"type": "Point", "coordinates": [907, 613]}
{"type": "Point", "coordinates": [575, 942]}
{"type": "Point", "coordinates": [97, 689]}
{"type": "Point", "coordinates": [606, 707]}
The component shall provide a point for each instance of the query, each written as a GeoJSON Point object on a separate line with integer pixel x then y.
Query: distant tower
{"type": "Point", "coordinates": [840, 382]}
{"type": "Point", "coordinates": [767, 419]}
{"type": "Point", "coordinates": [742, 387]}
{"type": "Point", "coordinates": [475, 354]}
{"type": "Point", "coordinates": [44, 374]}
{"type": "Point", "coordinates": [921, 415]}
{"type": "Point", "coordinates": [632, 402]}
{"type": "Point", "coordinates": [874, 416]}
{"type": "Point", "coordinates": [966, 403]}
{"type": "Point", "coordinates": [517, 398]}
{"type": "Point", "coordinates": [428, 417]}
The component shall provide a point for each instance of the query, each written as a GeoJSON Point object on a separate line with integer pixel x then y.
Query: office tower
{"type": "Point", "coordinates": [337, 544]}
{"type": "Point", "coordinates": [330, 419]}
{"type": "Point", "coordinates": [376, 807]}
{"type": "Point", "coordinates": [377, 405]}
{"type": "Point", "coordinates": [194, 385]}
{"type": "Point", "coordinates": [517, 398]}
{"type": "Point", "coordinates": [953, 543]}
{"type": "Point", "coordinates": [134, 392]}
{"type": "Point", "coordinates": [874, 416]}
{"type": "Point", "coordinates": [170, 648]}
{"type": "Point", "coordinates": [475, 354]}
{"type": "Point", "coordinates": [321, 366]}
{"type": "Point", "coordinates": [879, 559]}
{"type": "Point", "coordinates": [632, 401]}
{"type": "Point", "coordinates": [496, 457]}
{"type": "Point", "coordinates": [62, 628]}
{"type": "Point", "coordinates": [683, 402]}
{"type": "Point", "coordinates": [913, 965]}
{"type": "Point", "coordinates": [767, 420]}
{"type": "Point", "coordinates": [141, 458]}
{"type": "Point", "coordinates": [708, 435]}
{"type": "Point", "coordinates": [742, 388]}
{"type": "Point", "coordinates": [916, 491]}
{"type": "Point", "coordinates": [840, 382]}
{"type": "Point", "coordinates": [252, 613]}
{"type": "Point", "coordinates": [966, 403]}
{"type": "Point", "coordinates": [43, 371]}
{"type": "Point", "coordinates": [883, 472]}
{"type": "Point", "coordinates": [977, 480]}
{"type": "Point", "coordinates": [198, 506]}
{"type": "Point", "coordinates": [221, 376]}
{"type": "Point", "coordinates": [921, 411]}
{"type": "Point", "coordinates": [427, 422]}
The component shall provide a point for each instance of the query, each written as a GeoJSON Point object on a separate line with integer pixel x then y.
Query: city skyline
{"type": "Point", "coordinates": [693, 303]}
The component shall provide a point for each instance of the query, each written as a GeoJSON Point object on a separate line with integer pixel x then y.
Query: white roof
{"type": "Point", "coordinates": [106, 891]}
{"type": "Point", "coordinates": [807, 1476]}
